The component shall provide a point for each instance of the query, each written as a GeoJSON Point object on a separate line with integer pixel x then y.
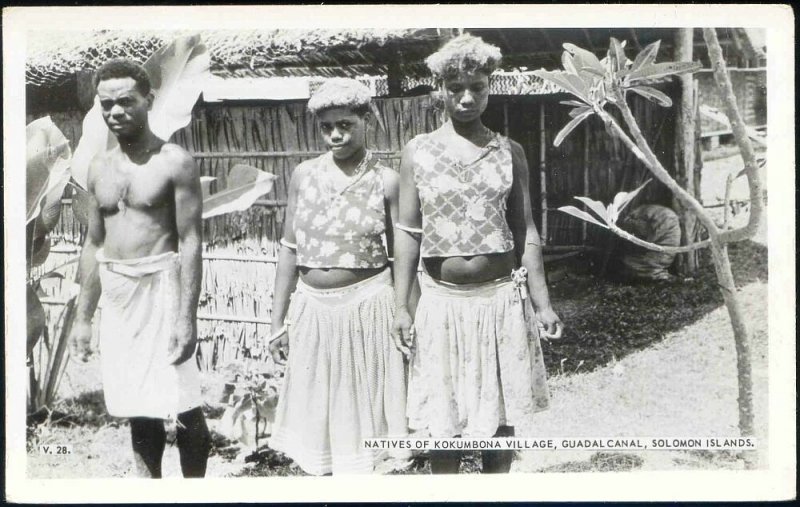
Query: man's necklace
{"type": "Point", "coordinates": [123, 193]}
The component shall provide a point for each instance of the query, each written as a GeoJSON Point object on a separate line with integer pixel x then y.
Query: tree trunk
{"type": "Point", "coordinates": [684, 149]}
{"type": "Point", "coordinates": [741, 334]}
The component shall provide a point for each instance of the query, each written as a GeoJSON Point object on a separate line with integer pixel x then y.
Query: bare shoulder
{"type": "Point", "coordinates": [175, 153]}
{"type": "Point", "coordinates": [407, 154]}
{"type": "Point", "coordinates": [96, 166]}
{"type": "Point", "coordinates": [516, 149]}
{"type": "Point", "coordinates": [302, 169]}
{"type": "Point", "coordinates": [299, 174]}
{"type": "Point", "coordinates": [391, 180]}
{"type": "Point", "coordinates": [180, 162]}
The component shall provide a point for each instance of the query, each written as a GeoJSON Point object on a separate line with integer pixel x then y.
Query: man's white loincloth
{"type": "Point", "coordinates": [139, 307]}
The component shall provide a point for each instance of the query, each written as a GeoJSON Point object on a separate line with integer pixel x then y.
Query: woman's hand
{"type": "Point", "coordinates": [549, 323]}
{"type": "Point", "coordinates": [403, 331]}
{"type": "Point", "coordinates": [279, 344]}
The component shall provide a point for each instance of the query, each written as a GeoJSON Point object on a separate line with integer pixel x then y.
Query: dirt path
{"type": "Point", "coordinates": [683, 386]}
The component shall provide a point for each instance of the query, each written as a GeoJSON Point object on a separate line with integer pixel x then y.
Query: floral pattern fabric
{"type": "Point", "coordinates": [463, 205]}
{"type": "Point", "coordinates": [478, 361]}
{"type": "Point", "coordinates": [341, 229]}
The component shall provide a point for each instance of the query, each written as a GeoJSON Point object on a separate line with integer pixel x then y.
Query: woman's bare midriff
{"type": "Point", "coordinates": [334, 278]}
{"type": "Point", "coordinates": [472, 269]}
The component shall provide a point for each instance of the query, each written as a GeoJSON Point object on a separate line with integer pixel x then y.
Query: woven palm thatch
{"type": "Point", "coordinates": [54, 57]}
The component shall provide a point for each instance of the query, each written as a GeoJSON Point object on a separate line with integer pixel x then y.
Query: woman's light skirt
{"type": "Point", "coordinates": [345, 380]}
{"type": "Point", "coordinates": [477, 363]}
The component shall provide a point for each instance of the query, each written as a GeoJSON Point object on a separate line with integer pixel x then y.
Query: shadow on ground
{"type": "Point", "coordinates": [607, 320]}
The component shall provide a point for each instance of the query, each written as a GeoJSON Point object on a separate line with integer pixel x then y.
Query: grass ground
{"type": "Point", "coordinates": [636, 360]}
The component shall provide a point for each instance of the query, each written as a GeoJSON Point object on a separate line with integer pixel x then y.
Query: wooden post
{"type": "Point", "coordinates": [505, 118]}
{"type": "Point", "coordinates": [85, 89]}
{"type": "Point", "coordinates": [697, 173]}
{"type": "Point", "coordinates": [543, 171]}
{"type": "Point", "coordinates": [698, 141]}
{"type": "Point", "coordinates": [586, 134]}
{"type": "Point", "coordinates": [394, 78]}
{"type": "Point", "coordinates": [685, 145]}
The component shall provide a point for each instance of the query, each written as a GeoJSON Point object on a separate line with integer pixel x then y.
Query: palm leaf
{"type": "Point", "coordinates": [646, 56]}
{"type": "Point", "coordinates": [660, 70]}
{"type": "Point", "coordinates": [569, 127]}
{"type": "Point", "coordinates": [652, 94]}
{"type": "Point", "coordinates": [572, 210]}
{"type": "Point", "coordinates": [37, 322]}
{"type": "Point", "coordinates": [47, 171]}
{"type": "Point", "coordinates": [560, 79]}
{"type": "Point", "coordinates": [56, 361]}
{"type": "Point", "coordinates": [583, 58]}
{"type": "Point", "coordinates": [81, 200]}
{"type": "Point", "coordinates": [95, 139]}
{"type": "Point", "coordinates": [245, 184]}
{"type": "Point", "coordinates": [593, 71]}
{"type": "Point", "coordinates": [622, 199]}
{"type": "Point", "coordinates": [568, 63]}
{"type": "Point", "coordinates": [618, 51]}
{"type": "Point", "coordinates": [575, 112]}
{"type": "Point", "coordinates": [178, 72]}
{"type": "Point", "coordinates": [595, 206]}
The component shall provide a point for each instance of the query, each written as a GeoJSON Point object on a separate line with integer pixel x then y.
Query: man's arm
{"type": "Point", "coordinates": [406, 250]}
{"type": "Point", "coordinates": [88, 275]}
{"type": "Point", "coordinates": [527, 243]}
{"type": "Point", "coordinates": [286, 273]}
{"type": "Point", "coordinates": [188, 222]}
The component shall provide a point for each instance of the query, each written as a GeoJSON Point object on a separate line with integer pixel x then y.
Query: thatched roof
{"type": "Point", "coordinates": [55, 57]}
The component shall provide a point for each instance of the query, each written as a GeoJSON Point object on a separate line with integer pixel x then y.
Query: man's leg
{"type": "Point", "coordinates": [498, 462]}
{"type": "Point", "coordinates": [194, 442]}
{"type": "Point", "coordinates": [148, 438]}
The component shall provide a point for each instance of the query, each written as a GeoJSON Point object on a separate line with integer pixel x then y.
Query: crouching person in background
{"type": "Point", "coordinates": [345, 380]}
{"type": "Point", "coordinates": [142, 260]}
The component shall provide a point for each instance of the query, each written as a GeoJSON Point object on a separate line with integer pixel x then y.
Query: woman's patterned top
{"type": "Point", "coordinates": [341, 229]}
{"type": "Point", "coordinates": [463, 205]}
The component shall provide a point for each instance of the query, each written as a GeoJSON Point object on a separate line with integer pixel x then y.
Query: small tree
{"type": "Point", "coordinates": [599, 85]}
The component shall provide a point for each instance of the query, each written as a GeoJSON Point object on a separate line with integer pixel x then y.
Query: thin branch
{"type": "Point", "coordinates": [727, 201]}
{"type": "Point", "coordinates": [660, 172]}
{"type": "Point", "coordinates": [607, 118]}
{"type": "Point", "coordinates": [658, 248]}
{"type": "Point", "coordinates": [740, 133]}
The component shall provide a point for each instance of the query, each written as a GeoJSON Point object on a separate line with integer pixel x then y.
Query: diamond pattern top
{"type": "Point", "coordinates": [463, 205]}
{"type": "Point", "coordinates": [341, 228]}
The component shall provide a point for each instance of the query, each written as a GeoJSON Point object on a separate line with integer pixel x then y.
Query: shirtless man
{"type": "Point", "coordinates": [143, 246]}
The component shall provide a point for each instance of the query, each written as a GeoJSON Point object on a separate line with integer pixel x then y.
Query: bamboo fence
{"type": "Point", "coordinates": [240, 249]}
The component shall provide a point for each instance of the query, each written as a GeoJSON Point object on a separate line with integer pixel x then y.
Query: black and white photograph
{"type": "Point", "coordinates": [380, 249]}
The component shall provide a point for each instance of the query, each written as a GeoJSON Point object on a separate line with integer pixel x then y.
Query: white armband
{"type": "Point", "coordinates": [285, 243]}
{"type": "Point", "coordinates": [410, 230]}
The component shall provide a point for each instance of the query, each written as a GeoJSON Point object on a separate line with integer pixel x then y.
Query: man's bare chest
{"type": "Point", "coordinates": [122, 184]}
